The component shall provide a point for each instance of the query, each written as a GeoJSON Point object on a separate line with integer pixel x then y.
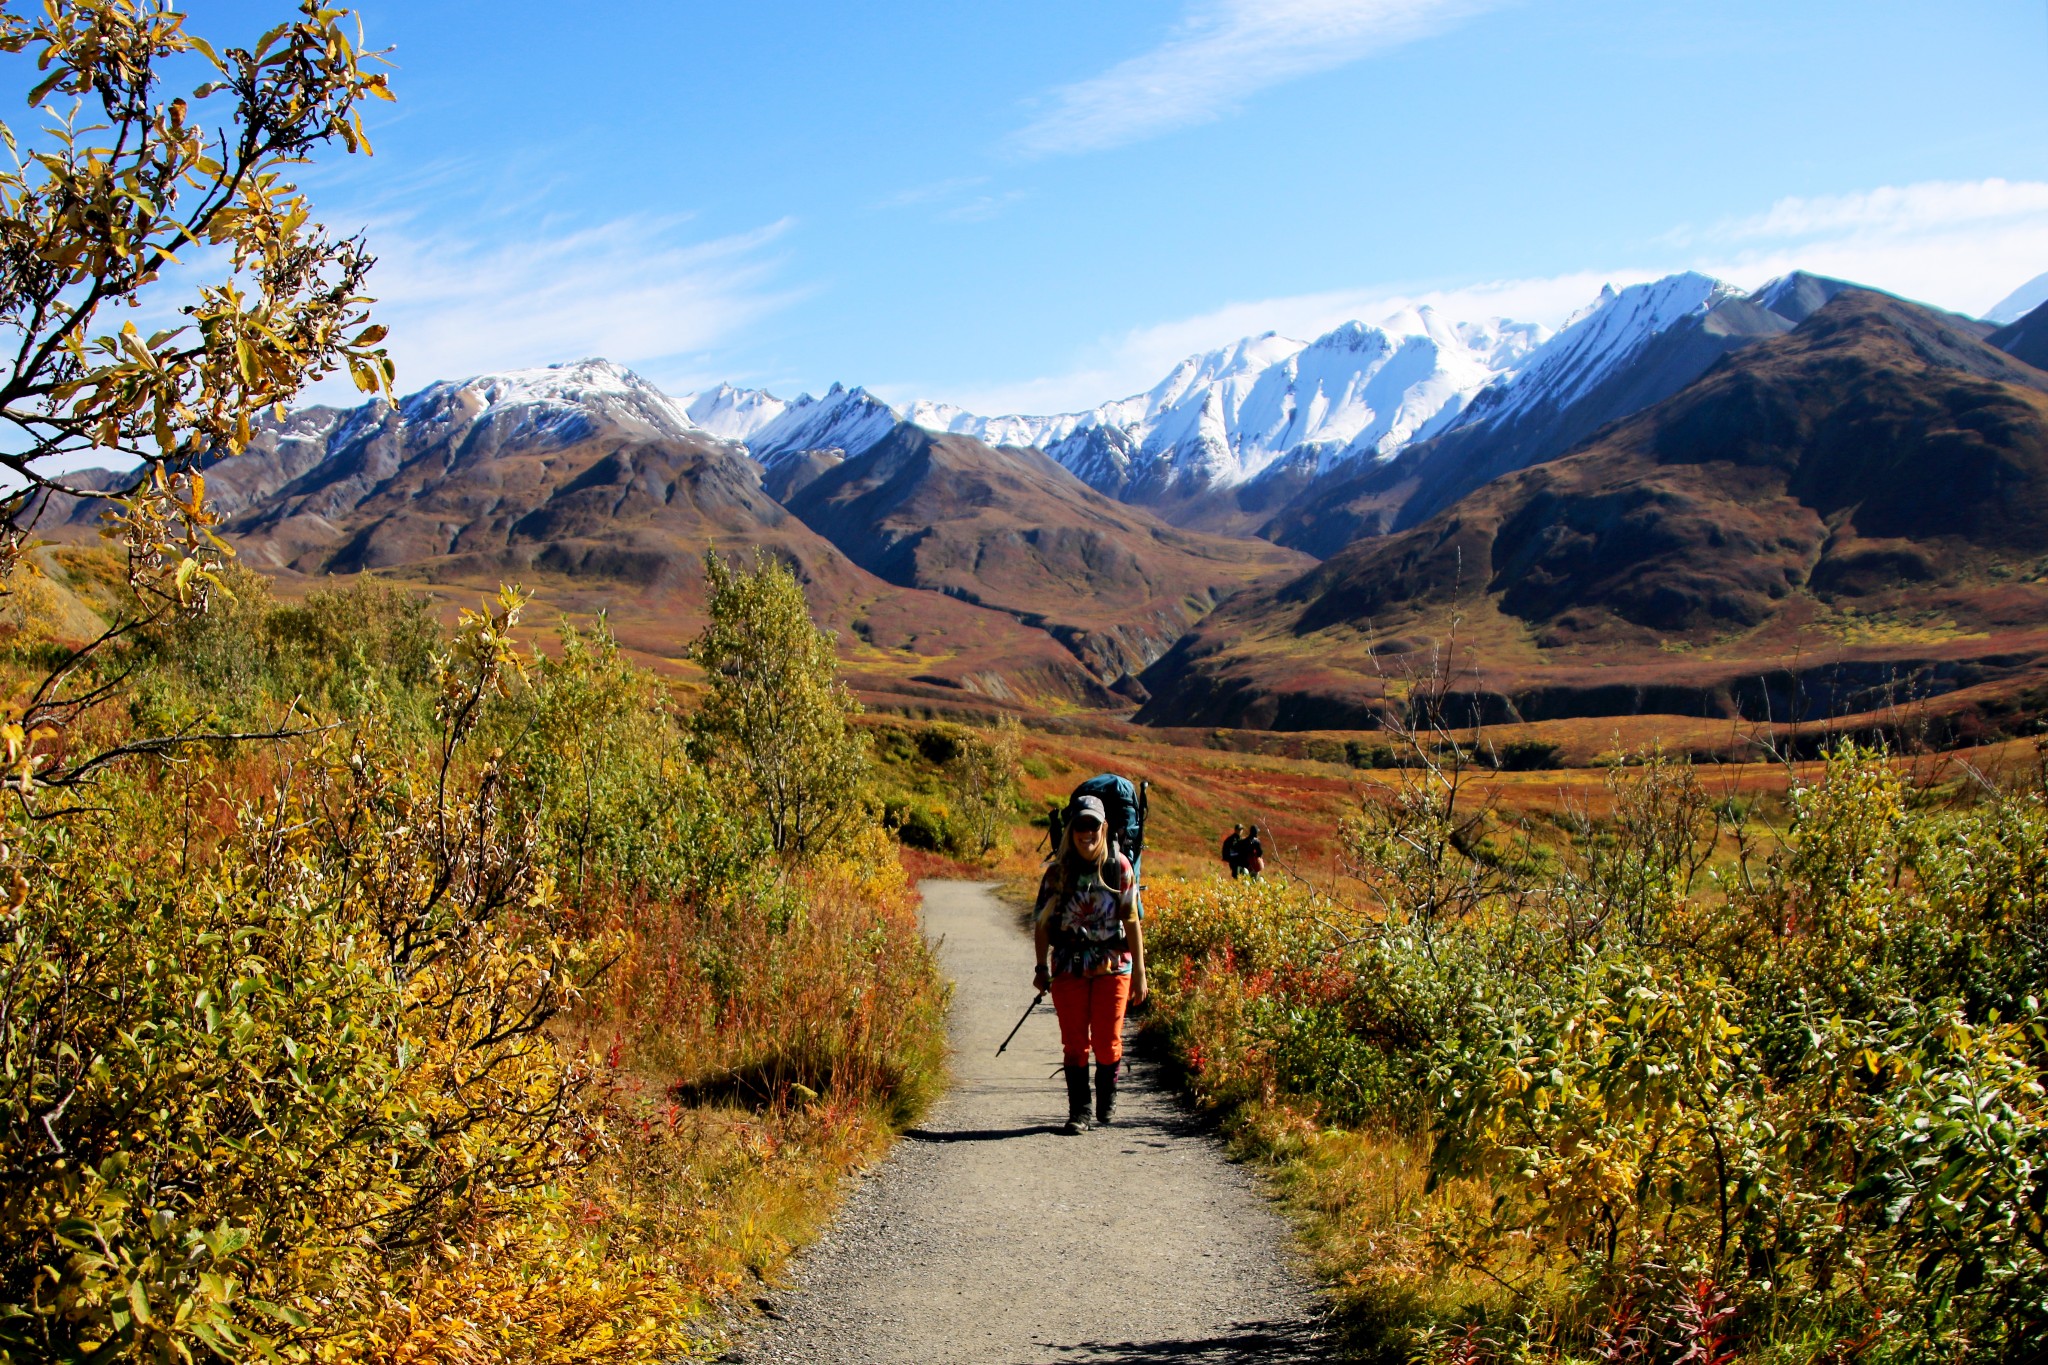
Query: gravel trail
{"type": "Point", "coordinates": [986, 1237]}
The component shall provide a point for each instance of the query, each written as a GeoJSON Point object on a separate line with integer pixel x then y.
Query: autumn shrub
{"type": "Point", "coordinates": [1685, 1084]}
{"type": "Point", "coordinates": [478, 1022]}
{"type": "Point", "coordinates": [262, 1047]}
{"type": "Point", "coordinates": [951, 789]}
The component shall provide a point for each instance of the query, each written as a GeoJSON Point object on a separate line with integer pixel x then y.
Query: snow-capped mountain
{"type": "Point", "coordinates": [732, 412]}
{"type": "Point", "coordinates": [843, 423]}
{"type": "Point", "coordinates": [2019, 302]}
{"type": "Point", "coordinates": [1269, 405]}
{"type": "Point", "coordinates": [1223, 417]}
{"type": "Point", "coordinates": [1596, 342]}
{"type": "Point", "coordinates": [552, 402]}
{"type": "Point", "coordinates": [1256, 423]}
{"type": "Point", "coordinates": [1630, 349]}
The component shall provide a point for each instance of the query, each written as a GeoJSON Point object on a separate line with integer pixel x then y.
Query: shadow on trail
{"type": "Point", "coordinates": [977, 1134]}
{"type": "Point", "coordinates": [1245, 1341]}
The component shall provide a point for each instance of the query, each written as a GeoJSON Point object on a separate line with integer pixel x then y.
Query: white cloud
{"type": "Point", "coordinates": [1962, 245]}
{"type": "Point", "coordinates": [983, 207]}
{"type": "Point", "coordinates": [932, 193]}
{"type": "Point", "coordinates": [1893, 210]}
{"type": "Point", "coordinates": [1221, 52]}
{"type": "Point", "coordinates": [636, 290]}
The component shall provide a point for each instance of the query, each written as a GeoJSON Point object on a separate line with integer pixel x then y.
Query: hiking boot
{"type": "Point", "coordinates": [1105, 1091]}
{"type": "Point", "coordinates": [1077, 1098]}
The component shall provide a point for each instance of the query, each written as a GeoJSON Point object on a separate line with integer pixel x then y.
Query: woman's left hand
{"type": "Point", "coordinates": [1138, 991]}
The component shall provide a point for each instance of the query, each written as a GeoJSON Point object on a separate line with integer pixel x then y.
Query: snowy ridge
{"type": "Point", "coordinates": [1225, 416]}
{"type": "Point", "coordinates": [846, 420]}
{"type": "Point", "coordinates": [553, 402]}
{"type": "Point", "coordinates": [1219, 419]}
{"type": "Point", "coordinates": [2019, 302]}
{"type": "Point", "coordinates": [1596, 342]}
{"type": "Point", "coordinates": [730, 412]}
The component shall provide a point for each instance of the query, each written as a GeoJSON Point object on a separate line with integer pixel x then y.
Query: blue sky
{"type": "Point", "coordinates": [1039, 206]}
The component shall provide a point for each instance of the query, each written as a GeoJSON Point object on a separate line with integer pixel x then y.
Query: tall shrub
{"type": "Point", "coordinates": [775, 731]}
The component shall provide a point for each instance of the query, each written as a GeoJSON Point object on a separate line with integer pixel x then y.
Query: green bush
{"type": "Point", "coordinates": [295, 1054]}
{"type": "Point", "coordinates": [1793, 1084]}
{"type": "Point", "coordinates": [258, 1055]}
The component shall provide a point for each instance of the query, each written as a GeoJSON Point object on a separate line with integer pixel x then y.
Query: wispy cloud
{"type": "Point", "coordinates": [961, 199]}
{"type": "Point", "coordinates": [639, 290]}
{"type": "Point", "coordinates": [1221, 52]}
{"type": "Point", "coordinates": [935, 192]}
{"type": "Point", "coordinates": [1890, 210]}
{"type": "Point", "coordinates": [1961, 245]}
{"type": "Point", "coordinates": [983, 207]}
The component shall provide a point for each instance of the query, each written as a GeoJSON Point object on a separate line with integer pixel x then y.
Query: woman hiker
{"type": "Point", "coordinates": [1091, 955]}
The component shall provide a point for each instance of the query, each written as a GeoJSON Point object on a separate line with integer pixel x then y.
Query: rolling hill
{"type": "Point", "coordinates": [591, 487]}
{"type": "Point", "coordinates": [1845, 518]}
{"type": "Point", "coordinates": [1009, 529]}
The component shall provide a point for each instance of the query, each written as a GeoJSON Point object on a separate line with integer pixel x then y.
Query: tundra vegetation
{"type": "Point", "coordinates": [475, 1020]}
{"type": "Point", "coordinates": [1674, 1077]}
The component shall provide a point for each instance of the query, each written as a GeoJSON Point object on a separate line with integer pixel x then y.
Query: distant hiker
{"type": "Point", "coordinates": [1232, 858]}
{"type": "Point", "coordinates": [1251, 854]}
{"type": "Point", "coordinates": [1091, 956]}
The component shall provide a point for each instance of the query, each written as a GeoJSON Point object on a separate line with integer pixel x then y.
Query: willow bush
{"type": "Point", "coordinates": [475, 1022]}
{"type": "Point", "coordinates": [262, 1043]}
{"type": "Point", "coordinates": [1685, 1088]}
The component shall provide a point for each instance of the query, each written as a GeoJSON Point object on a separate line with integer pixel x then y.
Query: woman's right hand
{"type": "Point", "coordinates": [1041, 980]}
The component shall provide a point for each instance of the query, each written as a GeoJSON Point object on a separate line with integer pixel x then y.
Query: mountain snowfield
{"type": "Point", "coordinates": [1599, 340]}
{"type": "Point", "coordinates": [1359, 393]}
{"type": "Point", "coordinates": [1224, 417]}
{"type": "Point", "coordinates": [1353, 398]}
{"type": "Point", "coordinates": [1219, 419]}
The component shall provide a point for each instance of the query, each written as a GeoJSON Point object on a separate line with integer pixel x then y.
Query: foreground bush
{"type": "Point", "coordinates": [1660, 1091]}
{"type": "Point", "coordinates": [476, 1023]}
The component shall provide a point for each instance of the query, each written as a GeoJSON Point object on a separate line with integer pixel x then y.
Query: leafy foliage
{"type": "Point", "coordinates": [253, 1047]}
{"type": "Point", "coordinates": [115, 185]}
{"type": "Point", "coordinates": [1689, 1088]}
{"type": "Point", "coordinates": [776, 727]}
{"type": "Point", "coordinates": [471, 1024]}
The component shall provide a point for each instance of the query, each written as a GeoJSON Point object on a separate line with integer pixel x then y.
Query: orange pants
{"type": "Point", "coordinates": [1091, 1009]}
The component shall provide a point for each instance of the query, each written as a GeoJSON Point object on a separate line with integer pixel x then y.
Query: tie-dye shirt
{"type": "Point", "coordinates": [1087, 929]}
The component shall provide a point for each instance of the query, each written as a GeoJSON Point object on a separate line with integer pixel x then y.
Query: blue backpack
{"type": "Point", "coordinates": [1122, 802]}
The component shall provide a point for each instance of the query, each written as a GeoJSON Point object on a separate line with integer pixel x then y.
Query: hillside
{"type": "Point", "coordinates": [587, 485]}
{"type": "Point", "coordinates": [1011, 530]}
{"type": "Point", "coordinates": [1631, 349]}
{"type": "Point", "coordinates": [1842, 519]}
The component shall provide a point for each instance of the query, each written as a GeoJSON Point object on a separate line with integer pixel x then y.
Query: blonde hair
{"type": "Point", "coordinates": [1071, 861]}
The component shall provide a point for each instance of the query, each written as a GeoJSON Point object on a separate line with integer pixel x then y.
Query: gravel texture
{"type": "Point", "coordinates": [987, 1236]}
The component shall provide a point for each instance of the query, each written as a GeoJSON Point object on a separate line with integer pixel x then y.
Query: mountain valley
{"type": "Point", "coordinates": [1850, 518]}
{"type": "Point", "coordinates": [1808, 500]}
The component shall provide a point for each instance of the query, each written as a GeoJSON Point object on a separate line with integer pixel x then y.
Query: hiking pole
{"type": "Point", "coordinates": [1020, 1023]}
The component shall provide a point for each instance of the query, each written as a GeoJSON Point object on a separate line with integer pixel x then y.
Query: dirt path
{"type": "Point", "coordinates": [989, 1237]}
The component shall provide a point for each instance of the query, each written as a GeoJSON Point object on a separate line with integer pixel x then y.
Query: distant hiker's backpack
{"type": "Point", "coordinates": [1121, 801]}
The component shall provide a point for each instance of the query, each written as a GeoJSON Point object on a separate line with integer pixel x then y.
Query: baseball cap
{"type": "Point", "coordinates": [1087, 810]}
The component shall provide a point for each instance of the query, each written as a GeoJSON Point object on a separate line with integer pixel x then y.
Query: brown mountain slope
{"type": "Point", "coordinates": [1325, 514]}
{"type": "Point", "coordinates": [1010, 529]}
{"type": "Point", "coordinates": [1851, 514]}
{"type": "Point", "coordinates": [600, 501]}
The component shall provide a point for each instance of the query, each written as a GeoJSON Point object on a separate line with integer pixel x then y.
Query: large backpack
{"type": "Point", "coordinates": [1123, 803]}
